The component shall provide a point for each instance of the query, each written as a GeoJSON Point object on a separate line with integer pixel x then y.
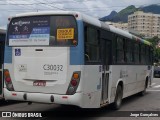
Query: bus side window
{"type": "Point", "coordinates": [136, 53]}
{"type": "Point", "coordinates": [92, 53]}
{"type": "Point", "coordinates": [120, 50]}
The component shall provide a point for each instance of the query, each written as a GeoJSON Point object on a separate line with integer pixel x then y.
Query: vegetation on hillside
{"type": "Point", "coordinates": [122, 16]}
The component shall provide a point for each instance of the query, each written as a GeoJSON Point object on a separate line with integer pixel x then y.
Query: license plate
{"type": "Point", "coordinates": [39, 83]}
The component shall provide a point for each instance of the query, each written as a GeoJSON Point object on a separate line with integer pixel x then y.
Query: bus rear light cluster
{"type": "Point", "coordinates": [8, 80]}
{"type": "Point", "coordinates": [74, 83]}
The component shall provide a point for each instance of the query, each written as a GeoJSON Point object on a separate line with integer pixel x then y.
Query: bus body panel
{"type": "Point", "coordinates": [90, 96]}
{"type": "Point", "coordinates": [43, 65]}
{"type": "Point", "coordinates": [86, 95]}
{"type": "Point", "coordinates": [92, 84]}
{"type": "Point", "coordinates": [133, 83]}
{"type": "Point", "coordinates": [92, 78]}
{"type": "Point", "coordinates": [78, 99]}
{"type": "Point", "coordinates": [77, 53]}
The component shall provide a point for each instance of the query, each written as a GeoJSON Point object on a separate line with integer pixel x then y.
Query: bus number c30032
{"type": "Point", "coordinates": [53, 67]}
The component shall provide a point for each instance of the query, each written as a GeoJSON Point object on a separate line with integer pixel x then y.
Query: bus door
{"type": "Point", "coordinates": [105, 55]}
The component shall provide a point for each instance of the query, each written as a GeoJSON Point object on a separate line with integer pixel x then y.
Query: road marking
{"type": "Point", "coordinates": [153, 84]}
{"type": "Point", "coordinates": [154, 90]}
{"type": "Point", "coordinates": [156, 86]}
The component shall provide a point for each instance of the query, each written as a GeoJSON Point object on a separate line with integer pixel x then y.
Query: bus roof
{"type": "Point", "coordinates": [90, 20]}
{"type": "Point", "coordinates": [128, 35]}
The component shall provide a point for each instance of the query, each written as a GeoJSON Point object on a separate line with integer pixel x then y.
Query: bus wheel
{"type": "Point", "coordinates": [118, 98]}
{"type": "Point", "coordinates": [142, 93]}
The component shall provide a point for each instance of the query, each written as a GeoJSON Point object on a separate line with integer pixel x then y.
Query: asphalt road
{"type": "Point", "coordinates": [149, 102]}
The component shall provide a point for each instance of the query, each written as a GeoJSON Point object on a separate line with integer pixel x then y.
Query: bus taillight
{"type": "Point", "coordinates": [6, 73]}
{"type": "Point", "coordinates": [74, 83]}
{"type": "Point", "coordinates": [75, 75]}
{"type": "Point", "coordinates": [8, 80]}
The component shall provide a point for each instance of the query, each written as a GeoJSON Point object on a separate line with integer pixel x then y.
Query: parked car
{"type": "Point", "coordinates": [157, 72]}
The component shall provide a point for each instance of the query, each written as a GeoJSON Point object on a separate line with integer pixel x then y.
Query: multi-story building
{"type": "Point", "coordinates": [123, 26]}
{"type": "Point", "coordinates": [147, 24]}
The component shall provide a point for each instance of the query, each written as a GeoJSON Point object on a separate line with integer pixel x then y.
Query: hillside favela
{"type": "Point", "coordinates": [80, 59]}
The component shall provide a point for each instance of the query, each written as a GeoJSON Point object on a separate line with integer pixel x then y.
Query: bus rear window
{"type": "Point", "coordinates": [43, 31]}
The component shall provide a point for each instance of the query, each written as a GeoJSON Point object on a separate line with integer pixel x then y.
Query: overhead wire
{"type": "Point", "coordinates": [53, 7]}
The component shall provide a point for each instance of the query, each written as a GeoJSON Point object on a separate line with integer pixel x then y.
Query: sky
{"type": "Point", "coordinates": [95, 8]}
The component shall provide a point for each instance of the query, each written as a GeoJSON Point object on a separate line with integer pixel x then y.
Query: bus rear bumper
{"type": "Point", "coordinates": [44, 98]}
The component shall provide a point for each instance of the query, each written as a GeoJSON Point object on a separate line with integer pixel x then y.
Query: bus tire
{"type": "Point", "coordinates": [118, 98]}
{"type": "Point", "coordinates": [142, 93]}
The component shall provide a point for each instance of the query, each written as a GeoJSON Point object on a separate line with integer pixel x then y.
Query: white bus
{"type": "Point", "coordinates": [2, 43]}
{"type": "Point", "coordinates": [70, 58]}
